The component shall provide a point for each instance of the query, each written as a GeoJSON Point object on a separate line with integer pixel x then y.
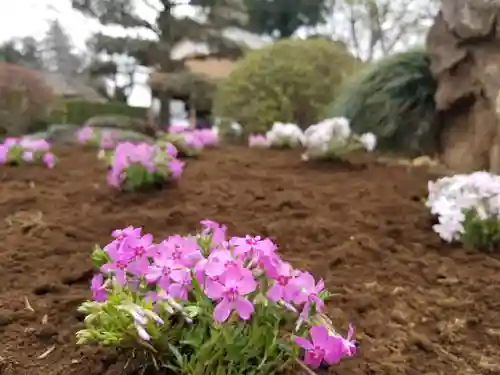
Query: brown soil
{"type": "Point", "coordinates": [420, 306]}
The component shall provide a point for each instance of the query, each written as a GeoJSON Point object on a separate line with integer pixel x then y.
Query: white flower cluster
{"type": "Point", "coordinates": [285, 135]}
{"type": "Point", "coordinates": [451, 198]}
{"type": "Point", "coordinates": [333, 137]}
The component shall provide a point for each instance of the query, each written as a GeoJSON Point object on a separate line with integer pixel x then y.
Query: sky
{"type": "Point", "coordinates": [20, 18]}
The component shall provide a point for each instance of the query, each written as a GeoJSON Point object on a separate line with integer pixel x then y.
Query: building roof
{"type": "Point", "coordinates": [72, 87]}
{"type": "Point", "coordinates": [212, 68]}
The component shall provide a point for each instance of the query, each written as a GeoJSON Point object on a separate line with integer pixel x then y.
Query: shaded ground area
{"type": "Point", "coordinates": [420, 307]}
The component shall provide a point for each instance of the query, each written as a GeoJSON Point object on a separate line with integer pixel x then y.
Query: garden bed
{"type": "Point", "coordinates": [419, 306]}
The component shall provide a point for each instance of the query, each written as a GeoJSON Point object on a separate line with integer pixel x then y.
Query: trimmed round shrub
{"type": "Point", "coordinates": [25, 98]}
{"type": "Point", "coordinates": [394, 99]}
{"type": "Point", "coordinates": [291, 80]}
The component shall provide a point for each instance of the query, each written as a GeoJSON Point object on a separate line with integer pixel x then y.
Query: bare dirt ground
{"type": "Point", "coordinates": [420, 307]}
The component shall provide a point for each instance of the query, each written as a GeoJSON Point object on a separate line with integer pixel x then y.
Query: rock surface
{"type": "Point", "coordinates": [464, 44]}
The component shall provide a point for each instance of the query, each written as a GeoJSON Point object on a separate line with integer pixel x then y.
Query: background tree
{"type": "Point", "coordinates": [59, 53]}
{"type": "Point", "coordinates": [282, 18]}
{"type": "Point", "coordinates": [24, 51]}
{"type": "Point", "coordinates": [167, 29]}
{"type": "Point", "coordinates": [377, 28]}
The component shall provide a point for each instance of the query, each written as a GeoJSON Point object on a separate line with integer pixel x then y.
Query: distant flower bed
{"type": "Point", "coordinates": [328, 139]}
{"type": "Point", "coordinates": [90, 136]}
{"type": "Point", "coordinates": [17, 151]}
{"type": "Point", "coordinates": [190, 142]}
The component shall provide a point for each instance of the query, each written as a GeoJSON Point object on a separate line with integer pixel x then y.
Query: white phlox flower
{"type": "Point", "coordinates": [450, 198]}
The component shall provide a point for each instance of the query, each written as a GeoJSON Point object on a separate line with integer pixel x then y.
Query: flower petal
{"type": "Point", "coordinates": [244, 308]}
{"type": "Point", "coordinates": [303, 343]}
{"type": "Point", "coordinates": [222, 311]}
{"type": "Point", "coordinates": [312, 360]}
{"type": "Point", "coordinates": [275, 293]}
{"type": "Point", "coordinates": [319, 336]}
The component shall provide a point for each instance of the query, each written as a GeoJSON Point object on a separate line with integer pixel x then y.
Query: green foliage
{"type": "Point", "coordinates": [283, 17]}
{"type": "Point", "coordinates": [394, 99]}
{"type": "Point", "coordinates": [481, 233]}
{"type": "Point", "coordinates": [289, 81]}
{"type": "Point", "coordinates": [79, 111]}
{"type": "Point", "coordinates": [25, 99]}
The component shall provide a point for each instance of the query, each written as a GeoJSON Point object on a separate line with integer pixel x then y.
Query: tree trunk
{"type": "Point", "coordinates": [164, 117]}
{"type": "Point", "coordinates": [164, 22]}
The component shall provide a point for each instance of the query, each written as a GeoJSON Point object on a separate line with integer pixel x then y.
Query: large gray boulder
{"type": "Point", "coordinates": [464, 44]}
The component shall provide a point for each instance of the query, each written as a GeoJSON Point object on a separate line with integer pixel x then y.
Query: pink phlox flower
{"type": "Point", "coordinates": [9, 142]}
{"type": "Point", "coordinates": [4, 154]}
{"type": "Point", "coordinates": [171, 150]}
{"type": "Point", "coordinates": [258, 140]}
{"type": "Point", "coordinates": [199, 272]}
{"type": "Point", "coordinates": [120, 234]}
{"type": "Point", "coordinates": [107, 140]}
{"type": "Point", "coordinates": [192, 141]}
{"type": "Point", "coordinates": [207, 136]}
{"type": "Point", "coordinates": [176, 129]}
{"type": "Point", "coordinates": [282, 289]}
{"type": "Point", "coordinates": [138, 250]}
{"type": "Point", "coordinates": [163, 271]}
{"type": "Point", "coordinates": [308, 293]}
{"type": "Point", "coordinates": [349, 347]}
{"type": "Point", "coordinates": [230, 295]}
{"type": "Point", "coordinates": [85, 134]}
{"type": "Point", "coordinates": [176, 167]}
{"type": "Point", "coordinates": [183, 250]}
{"type": "Point", "coordinates": [222, 264]}
{"type": "Point", "coordinates": [181, 285]}
{"type": "Point", "coordinates": [259, 250]}
{"type": "Point", "coordinates": [28, 156]}
{"type": "Point", "coordinates": [98, 288]}
{"type": "Point", "coordinates": [209, 225]}
{"type": "Point", "coordinates": [322, 347]}
{"type": "Point", "coordinates": [118, 267]}
{"type": "Point", "coordinates": [216, 230]}
{"type": "Point", "coordinates": [49, 159]}
{"type": "Point", "coordinates": [34, 145]}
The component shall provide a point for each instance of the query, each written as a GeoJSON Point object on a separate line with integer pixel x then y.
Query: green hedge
{"type": "Point", "coordinates": [79, 111]}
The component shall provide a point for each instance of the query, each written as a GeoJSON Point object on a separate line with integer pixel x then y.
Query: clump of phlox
{"type": "Point", "coordinates": [285, 135]}
{"type": "Point", "coordinates": [208, 305]}
{"type": "Point", "coordinates": [16, 151]}
{"type": "Point", "coordinates": [333, 138]}
{"type": "Point", "coordinates": [258, 141]}
{"type": "Point", "coordinates": [89, 136]}
{"type": "Point", "coordinates": [467, 207]}
{"type": "Point", "coordinates": [141, 165]}
{"type": "Point", "coordinates": [190, 142]}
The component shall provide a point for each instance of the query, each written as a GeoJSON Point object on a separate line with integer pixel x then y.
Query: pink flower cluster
{"type": "Point", "coordinates": [230, 273]}
{"type": "Point", "coordinates": [27, 150]}
{"type": "Point", "coordinates": [196, 138]}
{"type": "Point", "coordinates": [88, 135]}
{"type": "Point", "coordinates": [152, 158]}
{"type": "Point", "coordinates": [107, 140]}
{"type": "Point", "coordinates": [258, 140]}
